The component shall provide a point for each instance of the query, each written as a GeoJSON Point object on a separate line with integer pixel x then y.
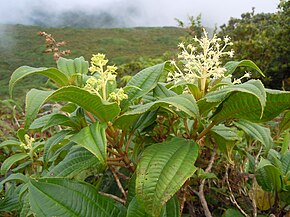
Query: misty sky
{"type": "Point", "coordinates": [135, 12]}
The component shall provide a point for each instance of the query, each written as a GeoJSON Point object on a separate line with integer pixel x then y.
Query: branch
{"type": "Point", "coordinates": [201, 187]}
{"type": "Point", "coordinates": [205, 131]}
{"type": "Point", "coordinates": [118, 182]}
{"type": "Point", "coordinates": [113, 196]}
{"type": "Point", "coordinates": [232, 197]}
{"type": "Point", "coordinates": [254, 181]}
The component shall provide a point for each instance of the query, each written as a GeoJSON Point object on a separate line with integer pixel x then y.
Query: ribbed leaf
{"type": "Point", "coordinates": [285, 122]}
{"type": "Point", "coordinates": [40, 122]}
{"type": "Point", "coordinates": [34, 100]}
{"type": "Point", "coordinates": [170, 209]}
{"type": "Point", "coordinates": [59, 119]}
{"type": "Point", "coordinates": [162, 170]}
{"type": "Point", "coordinates": [104, 111]}
{"type": "Point", "coordinates": [226, 138]}
{"type": "Point", "coordinates": [9, 143]}
{"type": "Point", "coordinates": [54, 74]}
{"type": "Point", "coordinates": [232, 65]}
{"type": "Point", "coordinates": [66, 198]}
{"type": "Point", "coordinates": [13, 177]}
{"type": "Point", "coordinates": [277, 102]}
{"type": "Point", "coordinates": [160, 91]}
{"type": "Point", "coordinates": [145, 81]}
{"type": "Point", "coordinates": [256, 131]}
{"type": "Point", "coordinates": [76, 161]}
{"type": "Point", "coordinates": [269, 177]}
{"type": "Point", "coordinates": [12, 160]}
{"type": "Point", "coordinates": [285, 160]}
{"type": "Point", "coordinates": [71, 67]}
{"type": "Point", "coordinates": [52, 142]}
{"type": "Point", "coordinates": [184, 103]}
{"type": "Point", "coordinates": [93, 138]}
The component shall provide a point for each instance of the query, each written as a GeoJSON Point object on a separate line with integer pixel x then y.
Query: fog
{"type": "Point", "coordinates": [125, 13]}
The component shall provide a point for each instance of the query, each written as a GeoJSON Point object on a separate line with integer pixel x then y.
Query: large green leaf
{"type": "Point", "coordinates": [34, 100]}
{"type": "Point", "coordinates": [60, 119]}
{"type": "Point", "coordinates": [268, 176]}
{"type": "Point", "coordinates": [232, 65]}
{"type": "Point", "coordinates": [256, 131]}
{"type": "Point", "coordinates": [13, 177]}
{"type": "Point", "coordinates": [285, 160]}
{"type": "Point", "coordinates": [251, 87]}
{"type": "Point", "coordinates": [76, 161]}
{"type": "Point", "coordinates": [12, 160]}
{"type": "Point", "coordinates": [93, 138]}
{"type": "Point", "coordinates": [49, 146]}
{"type": "Point", "coordinates": [170, 209]}
{"type": "Point", "coordinates": [277, 102]}
{"type": "Point", "coordinates": [66, 198]}
{"type": "Point", "coordinates": [162, 171]}
{"type": "Point", "coordinates": [143, 82]}
{"type": "Point", "coordinates": [72, 67]}
{"type": "Point", "coordinates": [103, 110]}
{"type": "Point", "coordinates": [226, 138]}
{"type": "Point", "coordinates": [54, 74]}
{"type": "Point", "coordinates": [185, 103]}
{"type": "Point", "coordinates": [10, 142]}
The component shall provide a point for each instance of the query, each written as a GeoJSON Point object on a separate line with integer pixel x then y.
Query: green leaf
{"type": "Point", "coordinates": [285, 160]}
{"type": "Point", "coordinates": [239, 100]}
{"type": "Point", "coordinates": [103, 110]}
{"type": "Point", "coordinates": [60, 119]}
{"type": "Point", "coordinates": [57, 76]}
{"type": "Point", "coordinates": [66, 198]}
{"type": "Point", "coordinates": [145, 81]}
{"type": "Point", "coordinates": [232, 213]}
{"type": "Point", "coordinates": [285, 122]}
{"type": "Point", "coordinates": [76, 161]}
{"type": "Point", "coordinates": [162, 171]}
{"type": "Point", "coordinates": [160, 91]}
{"type": "Point", "coordinates": [185, 103]}
{"type": "Point", "coordinates": [40, 122]}
{"type": "Point", "coordinates": [72, 67]}
{"type": "Point", "coordinates": [13, 177]}
{"type": "Point", "coordinates": [135, 210]}
{"type": "Point", "coordinates": [226, 139]}
{"type": "Point", "coordinates": [12, 160]}
{"type": "Point", "coordinates": [277, 102]}
{"type": "Point", "coordinates": [34, 100]}
{"type": "Point", "coordinates": [170, 209]}
{"type": "Point", "coordinates": [232, 65]}
{"type": "Point", "coordinates": [50, 144]}
{"type": "Point", "coordinates": [9, 143]}
{"type": "Point", "coordinates": [269, 177]}
{"type": "Point", "coordinates": [256, 131]}
{"type": "Point", "coordinates": [93, 138]}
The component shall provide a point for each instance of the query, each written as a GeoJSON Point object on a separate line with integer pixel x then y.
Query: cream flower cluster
{"type": "Point", "coordinates": [104, 74]}
{"type": "Point", "coordinates": [202, 61]}
{"type": "Point", "coordinates": [28, 142]}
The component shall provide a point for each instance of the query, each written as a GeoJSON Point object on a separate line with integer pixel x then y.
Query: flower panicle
{"type": "Point", "coordinates": [101, 75]}
{"type": "Point", "coordinates": [202, 59]}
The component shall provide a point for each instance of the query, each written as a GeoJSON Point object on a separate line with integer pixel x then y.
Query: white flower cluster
{"type": "Point", "coordinates": [28, 142]}
{"type": "Point", "coordinates": [202, 61]}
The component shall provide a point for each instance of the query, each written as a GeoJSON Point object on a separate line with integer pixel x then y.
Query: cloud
{"type": "Point", "coordinates": [129, 12]}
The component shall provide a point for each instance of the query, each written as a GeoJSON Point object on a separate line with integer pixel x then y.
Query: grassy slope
{"type": "Point", "coordinates": [20, 45]}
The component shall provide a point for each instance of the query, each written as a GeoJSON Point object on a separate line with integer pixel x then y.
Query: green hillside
{"type": "Point", "coordinates": [20, 45]}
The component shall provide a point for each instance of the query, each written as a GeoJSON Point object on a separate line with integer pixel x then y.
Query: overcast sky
{"type": "Point", "coordinates": [138, 12]}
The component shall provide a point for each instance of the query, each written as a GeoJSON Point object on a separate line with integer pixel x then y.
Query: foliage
{"type": "Point", "coordinates": [20, 45]}
{"type": "Point", "coordinates": [264, 38]}
{"type": "Point", "coordinates": [162, 145]}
